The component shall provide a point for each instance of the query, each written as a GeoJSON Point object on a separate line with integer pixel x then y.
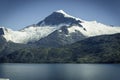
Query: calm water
{"type": "Point", "coordinates": [60, 71]}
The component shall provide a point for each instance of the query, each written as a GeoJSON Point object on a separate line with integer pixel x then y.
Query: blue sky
{"type": "Point", "coordinates": [17, 14]}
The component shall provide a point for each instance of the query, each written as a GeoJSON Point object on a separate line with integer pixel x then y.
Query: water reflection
{"type": "Point", "coordinates": [60, 71]}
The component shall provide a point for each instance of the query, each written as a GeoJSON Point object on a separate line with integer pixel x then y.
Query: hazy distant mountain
{"type": "Point", "coordinates": [58, 28]}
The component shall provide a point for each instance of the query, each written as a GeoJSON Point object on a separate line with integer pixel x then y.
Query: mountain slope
{"type": "Point", "coordinates": [99, 49]}
{"type": "Point", "coordinates": [104, 48]}
{"type": "Point", "coordinates": [26, 35]}
{"type": "Point", "coordinates": [61, 37]}
{"type": "Point", "coordinates": [59, 17]}
{"type": "Point", "coordinates": [59, 28]}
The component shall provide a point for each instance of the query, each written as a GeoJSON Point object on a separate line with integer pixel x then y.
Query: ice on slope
{"type": "Point", "coordinates": [92, 28]}
{"type": "Point", "coordinates": [32, 33]}
{"type": "Point", "coordinates": [29, 34]}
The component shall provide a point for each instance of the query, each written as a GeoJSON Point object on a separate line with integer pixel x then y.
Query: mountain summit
{"type": "Point", "coordinates": [57, 18]}
{"type": "Point", "coordinates": [64, 13]}
{"type": "Point", "coordinates": [58, 28]}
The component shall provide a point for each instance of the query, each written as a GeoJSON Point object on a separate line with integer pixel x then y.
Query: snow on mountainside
{"type": "Point", "coordinates": [29, 34]}
{"type": "Point", "coordinates": [92, 28]}
{"type": "Point", "coordinates": [65, 25]}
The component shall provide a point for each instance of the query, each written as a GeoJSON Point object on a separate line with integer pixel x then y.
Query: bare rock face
{"type": "Point", "coordinates": [57, 18]}
{"type": "Point", "coordinates": [1, 31]}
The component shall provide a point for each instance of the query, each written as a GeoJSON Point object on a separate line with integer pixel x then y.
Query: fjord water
{"type": "Point", "coordinates": [60, 71]}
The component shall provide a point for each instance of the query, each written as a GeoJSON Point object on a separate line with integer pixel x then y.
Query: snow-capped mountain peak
{"type": "Point", "coordinates": [61, 11]}
{"type": "Point", "coordinates": [59, 17]}
{"type": "Point", "coordinates": [64, 13]}
{"type": "Point", "coordinates": [59, 24]}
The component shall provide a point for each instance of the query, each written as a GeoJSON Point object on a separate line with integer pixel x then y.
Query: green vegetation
{"type": "Point", "coordinates": [100, 49]}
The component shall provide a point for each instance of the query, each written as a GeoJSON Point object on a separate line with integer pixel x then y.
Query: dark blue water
{"type": "Point", "coordinates": [60, 71]}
